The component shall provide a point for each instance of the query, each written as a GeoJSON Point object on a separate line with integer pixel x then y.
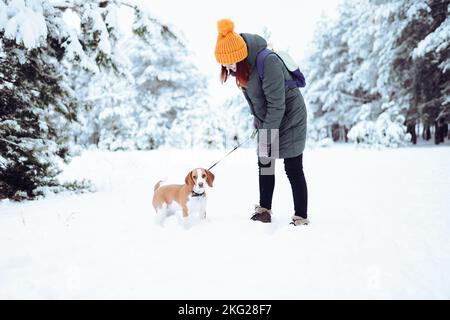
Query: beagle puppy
{"type": "Point", "coordinates": [189, 197]}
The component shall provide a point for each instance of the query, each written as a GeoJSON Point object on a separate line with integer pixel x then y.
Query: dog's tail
{"type": "Point", "coordinates": [157, 185]}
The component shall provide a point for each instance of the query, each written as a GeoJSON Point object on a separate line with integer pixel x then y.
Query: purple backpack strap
{"type": "Point", "coordinates": [260, 58]}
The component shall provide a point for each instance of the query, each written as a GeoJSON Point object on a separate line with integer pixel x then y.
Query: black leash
{"type": "Point", "coordinates": [235, 148]}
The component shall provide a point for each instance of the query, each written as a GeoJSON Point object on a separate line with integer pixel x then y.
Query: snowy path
{"type": "Point", "coordinates": [380, 229]}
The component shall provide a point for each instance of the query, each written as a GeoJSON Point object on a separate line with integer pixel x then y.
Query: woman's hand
{"type": "Point", "coordinates": [256, 123]}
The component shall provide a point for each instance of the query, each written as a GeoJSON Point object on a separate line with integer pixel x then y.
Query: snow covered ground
{"type": "Point", "coordinates": [380, 229]}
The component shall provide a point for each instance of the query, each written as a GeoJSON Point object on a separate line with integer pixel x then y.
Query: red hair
{"type": "Point", "coordinates": [242, 74]}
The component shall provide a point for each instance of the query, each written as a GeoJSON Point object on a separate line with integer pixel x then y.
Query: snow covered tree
{"type": "Point", "coordinates": [35, 103]}
{"type": "Point", "coordinates": [42, 59]}
{"type": "Point", "coordinates": [141, 101]}
{"type": "Point", "coordinates": [432, 64]}
{"type": "Point", "coordinates": [168, 85]}
{"type": "Point", "coordinates": [363, 74]}
{"type": "Point", "coordinates": [98, 70]}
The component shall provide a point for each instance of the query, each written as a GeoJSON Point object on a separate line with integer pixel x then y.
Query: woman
{"type": "Point", "coordinates": [279, 113]}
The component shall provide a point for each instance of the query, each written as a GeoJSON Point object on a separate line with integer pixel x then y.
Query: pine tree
{"type": "Point", "coordinates": [168, 86]}
{"type": "Point", "coordinates": [34, 102]}
{"type": "Point", "coordinates": [371, 78]}
{"type": "Point", "coordinates": [43, 62]}
{"type": "Point", "coordinates": [432, 66]}
{"type": "Point", "coordinates": [139, 103]}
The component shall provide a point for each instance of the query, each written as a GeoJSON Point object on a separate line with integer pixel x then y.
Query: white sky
{"type": "Point", "coordinates": [290, 22]}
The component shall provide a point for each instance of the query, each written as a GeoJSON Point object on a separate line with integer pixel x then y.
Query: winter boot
{"type": "Point", "coordinates": [299, 221]}
{"type": "Point", "coordinates": [262, 214]}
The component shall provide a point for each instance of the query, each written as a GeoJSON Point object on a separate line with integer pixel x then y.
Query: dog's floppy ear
{"type": "Point", "coordinates": [188, 180]}
{"type": "Point", "coordinates": [209, 178]}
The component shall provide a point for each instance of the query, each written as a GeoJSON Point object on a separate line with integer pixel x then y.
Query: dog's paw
{"type": "Point", "coordinates": [186, 223]}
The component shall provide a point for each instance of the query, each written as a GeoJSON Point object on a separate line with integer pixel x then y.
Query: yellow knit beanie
{"type": "Point", "coordinates": [230, 47]}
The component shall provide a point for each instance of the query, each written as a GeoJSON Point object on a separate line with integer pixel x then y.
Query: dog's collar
{"type": "Point", "coordinates": [195, 194]}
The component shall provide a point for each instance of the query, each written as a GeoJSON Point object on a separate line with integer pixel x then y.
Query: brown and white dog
{"type": "Point", "coordinates": [189, 198]}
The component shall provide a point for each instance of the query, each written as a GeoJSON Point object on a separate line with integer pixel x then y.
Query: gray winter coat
{"type": "Point", "coordinates": [273, 105]}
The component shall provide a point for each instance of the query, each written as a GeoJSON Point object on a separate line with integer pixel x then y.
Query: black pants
{"type": "Point", "coordinates": [294, 172]}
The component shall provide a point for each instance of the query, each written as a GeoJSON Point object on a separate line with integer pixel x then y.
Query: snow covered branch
{"type": "Point", "coordinates": [10, 142]}
{"type": "Point", "coordinates": [64, 5]}
{"type": "Point", "coordinates": [364, 100]}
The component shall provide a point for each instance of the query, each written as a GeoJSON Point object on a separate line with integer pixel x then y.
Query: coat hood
{"type": "Point", "coordinates": [255, 44]}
